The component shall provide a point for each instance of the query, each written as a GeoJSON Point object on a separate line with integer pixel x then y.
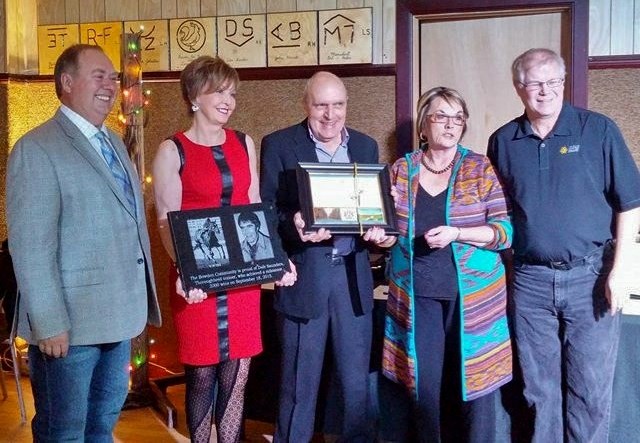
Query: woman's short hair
{"type": "Point", "coordinates": [447, 94]}
{"type": "Point", "coordinates": [205, 75]}
{"type": "Point", "coordinates": [534, 57]}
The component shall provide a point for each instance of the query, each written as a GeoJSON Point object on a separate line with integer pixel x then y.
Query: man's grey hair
{"type": "Point", "coordinates": [534, 57]}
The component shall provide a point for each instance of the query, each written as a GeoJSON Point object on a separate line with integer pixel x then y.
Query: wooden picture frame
{"type": "Point", "coordinates": [346, 198]}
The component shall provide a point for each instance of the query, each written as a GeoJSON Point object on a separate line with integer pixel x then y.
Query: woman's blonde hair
{"type": "Point", "coordinates": [447, 94]}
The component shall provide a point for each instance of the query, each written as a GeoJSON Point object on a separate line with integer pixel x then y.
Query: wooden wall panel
{"type": "Point", "coordinates": [91, 11]}
{"type": "Point", "coordinates": [149, 9]}
{"type": "Point", "coordinates": [622, 25]}
{"type": "Point", "coordinates": [599, 27]}
{"type": "Point", "coordinates": [614, 27]}
{"type": "Point", "coordinates": [51, 12]}
{"type": "Point", "coordinates": [3, 45]}
{"type": "Point", "coordinates": [376, 23]}
{"type": "Point", "coordinates": [234, 7]}
{"type": "Point", "coordinates": [636, 29]}
{"type": "Point", "coordinates": [344, 4]}
{"type": "Point", "coordinates": [72, 11]}
{"type": "Point", "coordinates": [208, 8]}
{"type": "Point", "coordinates": [388, 31]}
{"type": "Point", "coordinates": [188, 8]}
{"type": "Point", "coordinates": [120, 10]}
{"type": "Point", "coordinates": [169, 9]}
{"type": "Point", "coordinates": [281, 5]}
{"type": "Point", "coordinates": [314, 5]}
{"type": "Point", "coordinates": [21, 19]}
{"type": "Point", "coordinates": [258, 6]}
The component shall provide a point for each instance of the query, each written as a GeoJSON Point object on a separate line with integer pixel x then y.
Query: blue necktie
{"type": "Point", "coordinates": [116, 168]}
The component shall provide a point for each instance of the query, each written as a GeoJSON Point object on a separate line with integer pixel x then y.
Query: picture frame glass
{"type": "Point", "coordinates": [346, 198]}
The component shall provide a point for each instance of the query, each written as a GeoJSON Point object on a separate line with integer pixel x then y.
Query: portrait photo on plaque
{"type": "Point", "coordinates": [346, 198]}
{"type": "Point", "coordinates": [227, 247]}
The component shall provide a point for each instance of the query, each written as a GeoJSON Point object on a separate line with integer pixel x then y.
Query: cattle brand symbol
{"type": "Point", "coordinates": [191, 36]}
{"type": "Point", "coordinates": [148, 38]}
{"type": "Point", "coordinates": [342, 26]}
{"type": "Point", "coordinates": [238, 37]}
{"type": "Point", "coordinates": [293, 34]}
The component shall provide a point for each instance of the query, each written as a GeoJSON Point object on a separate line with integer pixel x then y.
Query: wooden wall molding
{"type": "Point", "coordinates": [614, 62]}
{"type": "Point", "coordinates": [279, 73]}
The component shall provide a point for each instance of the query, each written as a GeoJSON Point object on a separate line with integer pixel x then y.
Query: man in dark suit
{"type": "Point", "coordinates": [333, 296]}
{"type": "Point", "coordinates": [81, 254]}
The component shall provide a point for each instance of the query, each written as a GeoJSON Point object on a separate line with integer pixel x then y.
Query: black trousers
{"type": "Point", "coordinates": [439, 412]}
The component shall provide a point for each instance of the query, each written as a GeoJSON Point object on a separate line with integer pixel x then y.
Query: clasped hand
{"type": "Point", "coordinates": [441, 236]}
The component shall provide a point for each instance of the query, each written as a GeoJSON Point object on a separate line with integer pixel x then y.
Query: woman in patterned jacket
{"type": "Point", "coordinates": [446, 335]}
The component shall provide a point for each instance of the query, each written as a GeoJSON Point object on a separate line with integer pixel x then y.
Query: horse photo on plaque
{"type": "Point", "coordinates": [227, 247]}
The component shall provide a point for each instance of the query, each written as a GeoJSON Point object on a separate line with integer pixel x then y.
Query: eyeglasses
{"type": "Point", "coordinates": [536, 86]}
{"type": "Point", "coordinates": [439, 117]}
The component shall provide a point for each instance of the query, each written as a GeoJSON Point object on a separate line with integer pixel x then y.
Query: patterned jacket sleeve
{"type": "Point", "coordinates": [498, 210]}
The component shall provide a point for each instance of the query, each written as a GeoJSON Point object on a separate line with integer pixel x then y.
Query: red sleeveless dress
{"type": "Point", "coordinates": [226, 325]}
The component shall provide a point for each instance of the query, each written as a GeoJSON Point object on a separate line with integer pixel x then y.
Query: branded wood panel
{"type": "Point", "coordinates": [345, 36]}
{"type": "Point", "coordinates": [292, 39]}
{"type": "Point", "coordinates": [191, 38]}
{"type": "Point", "coordinates": [52, 40]}
{"type": "Point", "coordinates": [108, 35]}
{"type": "Point", "coordinates": [242, 40]}
{"type": "Point", "coordinates": [154, 43]}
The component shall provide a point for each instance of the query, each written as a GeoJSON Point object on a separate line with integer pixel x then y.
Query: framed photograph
{"type": "Point", "coordinates": [346, 198]}
{"type": "Point", "coordinates": [227, 247]}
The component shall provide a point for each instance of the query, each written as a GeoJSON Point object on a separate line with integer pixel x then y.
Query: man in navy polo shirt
{"type": "Point", "coordinates": [575, 195]}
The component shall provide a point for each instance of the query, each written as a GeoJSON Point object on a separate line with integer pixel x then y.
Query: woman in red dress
{"type": "Point", "coordinates": [208, 166]}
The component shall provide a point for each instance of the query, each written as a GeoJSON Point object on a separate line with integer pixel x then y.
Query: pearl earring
{"type": "Point", "coordinates": [195, 107]}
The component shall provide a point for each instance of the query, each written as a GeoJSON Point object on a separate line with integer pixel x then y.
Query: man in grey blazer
{"type": "Point", "coordinates": [81, 254]}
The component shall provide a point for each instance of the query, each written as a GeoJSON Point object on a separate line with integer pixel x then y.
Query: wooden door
{"type": "Point", "coordinates": [469, 45]}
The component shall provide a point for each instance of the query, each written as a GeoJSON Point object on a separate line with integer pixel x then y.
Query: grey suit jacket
{"type": "Point", "coordinates": [81, 255]}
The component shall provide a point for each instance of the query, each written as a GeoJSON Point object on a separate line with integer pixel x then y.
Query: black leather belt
{"type": "Point", "coordinates": [561, 265]}
{"type": "Point", "coordinates": [335, 260]}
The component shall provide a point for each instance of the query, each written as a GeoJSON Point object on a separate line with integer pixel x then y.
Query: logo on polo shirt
{"type": "Point", "coordinates": [569, 149]}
